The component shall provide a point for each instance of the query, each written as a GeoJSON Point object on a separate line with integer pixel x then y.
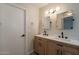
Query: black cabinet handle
{"type": "Point", "coordinates": [57, 52]}
{"type": "Point", "coordinates": [23, 35]}
{"type": "Point", "coordinates": [61, 52]}
{"type": "Point", "coordinates": [60, 45]}
{"type": "Point", "coordinates": [40, 39]}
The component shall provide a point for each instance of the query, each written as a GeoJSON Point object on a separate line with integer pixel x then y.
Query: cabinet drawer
{"type": "Point", "coordinates": [69, 50]}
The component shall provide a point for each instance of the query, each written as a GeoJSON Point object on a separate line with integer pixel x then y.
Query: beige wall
{"type": "Point", "coordinates": [32, 25]}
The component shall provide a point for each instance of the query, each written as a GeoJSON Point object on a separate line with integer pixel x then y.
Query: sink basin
{"type": "Point", "coordinates": [64, 39]}
{"type": "Point", "coordinates": [53, 38]}
{"type": "Point", "coordinates": [69, 41]}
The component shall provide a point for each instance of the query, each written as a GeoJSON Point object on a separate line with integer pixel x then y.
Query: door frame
{"type": "Point", "coordinates": [23, 9]}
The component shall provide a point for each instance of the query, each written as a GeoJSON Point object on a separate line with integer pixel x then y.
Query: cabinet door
{"type": "Point", "coordinates": [52, 48]}
{"type": "Point", "coordinates": [67, 50]}
{"type": "Point", "coordinates": [39, 46]}
{"type": "Point", "coordinates": [35, 45]}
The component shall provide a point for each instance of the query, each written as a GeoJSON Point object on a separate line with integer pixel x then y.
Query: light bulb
{"type": "Point", "coordinates": [51, 10]}
{"type": "Point", "coordinates": [57, 8]}
{"type": "Point", "coordinates": [69, 14]}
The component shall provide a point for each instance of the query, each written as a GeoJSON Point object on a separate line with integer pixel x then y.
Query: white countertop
{"type": "Point", "coordinates": [68, 41]}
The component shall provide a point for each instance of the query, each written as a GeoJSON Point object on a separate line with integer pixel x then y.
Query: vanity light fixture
{"type": "Point", "coordinates": [52, 11]}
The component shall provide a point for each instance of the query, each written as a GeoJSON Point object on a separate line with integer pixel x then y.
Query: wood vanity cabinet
{"type": "Point", "coordinates": [39, 45]}
{"type": "Point", "coordinates": [52, 48]}
{"type": "Point", "coordinates": [44, 46]}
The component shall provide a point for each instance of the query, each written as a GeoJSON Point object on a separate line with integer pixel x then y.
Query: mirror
{"type": "Point", "coordinates": [68, 22]}
{"type": "Point", "coordinates": [64, 20]}
{"type": "Point", "coordinates": [46, 23]}
{"type": "Point", "coordinates": [60, 19]}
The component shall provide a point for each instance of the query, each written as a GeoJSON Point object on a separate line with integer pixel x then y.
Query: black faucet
{"type": "Point", "coordinates": [62, 34]}
{"type": "Point", "coordinates": [45, 33]}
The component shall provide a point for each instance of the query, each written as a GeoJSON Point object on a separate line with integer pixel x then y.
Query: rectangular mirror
{"type": "Point", "coordinates": [46, 22]}
{"type": "Point", "coordinates": [68, 22]}
{"type": "Point", "coordinates": [64, 21]}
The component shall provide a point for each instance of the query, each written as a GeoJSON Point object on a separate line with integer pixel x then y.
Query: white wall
{"type": "Point", "coordinates": [71, 34]}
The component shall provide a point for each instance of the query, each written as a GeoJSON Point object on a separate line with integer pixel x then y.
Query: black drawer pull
{"type": "Point", "coordinates": [59, 45]}
{"type": "Point", "coordinates": [39, 39]}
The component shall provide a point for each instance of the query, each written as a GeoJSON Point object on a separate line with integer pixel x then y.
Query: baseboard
{"type": "Point", "coordinates": [28, 52]}
{"type": "Point", "coordinates": [7, 53]}
{"type": "Point", "coordinates": [4, 53]}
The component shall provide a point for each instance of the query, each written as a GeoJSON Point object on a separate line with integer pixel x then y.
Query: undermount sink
{"type": "Point", "coordinates": [69, 41]}
{"type": "Point", "coordinates": [53, 37]}
{"type": "Point", "coordinates": [64, 39]}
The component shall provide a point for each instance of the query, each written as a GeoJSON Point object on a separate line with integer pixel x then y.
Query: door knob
{"type": "Point", "coordinates": [23, 35]}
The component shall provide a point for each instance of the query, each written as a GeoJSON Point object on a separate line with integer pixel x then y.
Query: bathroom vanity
{"type": "Point", "coordinates": [48, 45]}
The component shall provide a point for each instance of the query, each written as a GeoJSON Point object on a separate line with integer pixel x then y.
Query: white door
{"type": "Point", "coordinates": [11, 30]}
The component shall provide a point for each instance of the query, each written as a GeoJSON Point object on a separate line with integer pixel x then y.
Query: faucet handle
{"type": "Point", "coordinates": [47, 34]}
{"type": "Point", "coordinates": [66, 37]}
{"type": "Point", "coordinates": [59, 36]}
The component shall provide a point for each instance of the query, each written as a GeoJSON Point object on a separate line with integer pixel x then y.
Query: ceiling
{"type": "Point", "coordinates": [39, 5]}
